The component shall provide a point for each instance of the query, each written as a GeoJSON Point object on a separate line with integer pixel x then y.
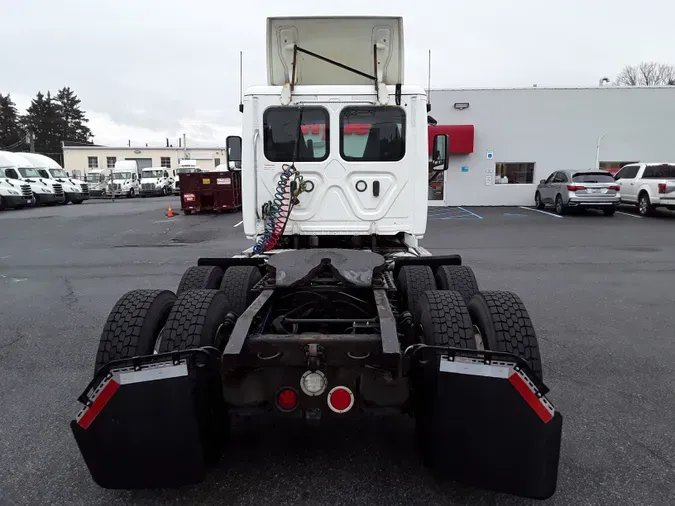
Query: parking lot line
{"type": "Point", "coordinates": [540, 211]}
{"type": "Point", "coordinates": [473, 214]}
{"type": "Point", "coordinates": [628, 214]}
{"type": "Point", "coordinates": [242, 221]}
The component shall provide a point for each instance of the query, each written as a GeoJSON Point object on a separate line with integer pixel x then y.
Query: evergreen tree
{"type": "Point", "coordinates": [12, 136]}
{"type": "Point", "coordinates": [74, 120]}
{"type": "Point", "coordinates": [43, 119]}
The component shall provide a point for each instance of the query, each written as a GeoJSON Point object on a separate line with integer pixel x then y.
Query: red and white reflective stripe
{"type": "Point", "coordinates": [102, 396]}
{"type": "Point", "coordinates": [528, 391]}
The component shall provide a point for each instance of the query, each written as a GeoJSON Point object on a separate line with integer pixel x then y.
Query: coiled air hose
{"type": "Point", "coordinates": [280, 209]}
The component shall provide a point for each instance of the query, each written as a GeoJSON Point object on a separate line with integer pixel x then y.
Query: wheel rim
{"type": "Point", "coordinates": [558, 204]}
{"type": "Point", "coordinates": [643, 205]}
{"type": "Point", "coordinates": [537, 200]}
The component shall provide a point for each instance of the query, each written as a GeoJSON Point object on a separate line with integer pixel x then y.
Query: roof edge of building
{"type": "Point", "coordinates": [568, 88]}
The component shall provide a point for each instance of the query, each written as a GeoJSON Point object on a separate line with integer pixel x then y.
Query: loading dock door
{"type": "Point", "coordinates": [143, 163]}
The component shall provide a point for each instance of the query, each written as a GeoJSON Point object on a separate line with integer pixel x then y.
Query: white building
{"type": "Point", "coordinates": [503, 141]}
{"type": "Point", "coordinates": [81, 159]}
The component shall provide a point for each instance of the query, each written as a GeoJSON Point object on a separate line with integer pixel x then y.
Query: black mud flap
{"type": "Point", "coordinates": [140, 429]}
{"type": "Point", "coordinates": [494, 428]}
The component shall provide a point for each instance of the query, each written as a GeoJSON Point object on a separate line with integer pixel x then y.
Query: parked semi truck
{"type": "Point", "coordinates": [99, 181]}
{"type": "Point", "coordinates": [336, 309]}
{"type": "Point", "coordinates": [76, 191]}
{"type": "Point", "coordinates": [13, 194]}
{"type": "Point", "coordinates": [157, 181]}
{"type": "Point", "coordinates": [44, 191]}
{"type": "Point", "coordinates": [126, 179]}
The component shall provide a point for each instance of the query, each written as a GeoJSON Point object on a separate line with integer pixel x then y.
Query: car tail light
{"type": "Point", "coordinates": [662, 187]}
{"type": "Point", "coordinates": [340, 399]}
{"type": "Point", "coordinates": [189, 197]}
{"type": "Point", "coordinates": [615, 187]}
{"type": "Point", "coordinates": [575, 187]}
{"type": "Point", "coordinates": [287, 399]}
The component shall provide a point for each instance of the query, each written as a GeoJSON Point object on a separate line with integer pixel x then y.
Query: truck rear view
{"type": "Point", "coordinates": [336, 309]}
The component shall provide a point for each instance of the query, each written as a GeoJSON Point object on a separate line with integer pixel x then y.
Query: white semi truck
{"type": "Point", "coordinates": [157, 181]}
{"type": "Point", "coordinates": [13, 194]}
{"type": "Point", "coordinates": [45, 191]}
{"type": "Point", "coordinates": [76, 191]}
{"type": "Point", "coordinates": [126, 179]}
{"type": "Point", "coordinates": [336, 309]}
{"type": "Point", "coordinates": [99, 181]}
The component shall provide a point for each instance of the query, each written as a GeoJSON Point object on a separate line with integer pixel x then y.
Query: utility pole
{"type": "Point", "coordinates": [185, 146]}
{"type": "Point", "coordinates": [597, 152]}
{"type": "Point", "coordinates": [30, 139]}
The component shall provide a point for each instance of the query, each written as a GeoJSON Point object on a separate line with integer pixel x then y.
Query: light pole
{"type": "Point", "coordinates": [597, 152]}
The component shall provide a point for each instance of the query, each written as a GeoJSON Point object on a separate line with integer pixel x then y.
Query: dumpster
{"type": "Point", "coordinates": [216, 191]}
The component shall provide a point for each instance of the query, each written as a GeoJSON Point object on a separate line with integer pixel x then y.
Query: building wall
{"type": "Point", "coordinates": [555, 129]}
{"type": "Point", "coordinates": [77, 158]}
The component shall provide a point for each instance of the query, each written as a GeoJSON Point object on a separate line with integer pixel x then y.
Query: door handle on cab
{"type": "Point", "coordinates": [376, 188]}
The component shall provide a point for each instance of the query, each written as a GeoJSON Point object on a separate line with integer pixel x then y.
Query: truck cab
{"type": "Point", "coordinates": [157, 181]}
{"type": "Point", "coordinates": [13, 194]}
{"type": "Point", "coordinates": [97, 182]}
{"type": "Point", "coordinates": [126, 177]}
{"type": "Point", "coordinates": [18, 168]}
{"type": "Point", "coordinates": [75, 191]}
{"type": "Point", "coordinates": [370, 185]}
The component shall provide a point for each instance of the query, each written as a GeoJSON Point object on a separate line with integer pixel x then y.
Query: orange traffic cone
{"type": "Point", "coordinates": [169, 213]}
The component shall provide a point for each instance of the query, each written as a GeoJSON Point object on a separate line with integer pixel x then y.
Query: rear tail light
{"type": "Point", "coordinates": [340, 399]}
{"type": "Point", "coordinates": [616, 188]}
{"type": "Point", "coordinates": [287, 399]}
{"type": "Point", "coordinates": [575, 187]}
{"type": "Point", "coordinates": [662, 187]}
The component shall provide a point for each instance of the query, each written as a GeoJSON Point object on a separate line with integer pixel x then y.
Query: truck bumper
{"type": "Point", "coordinates": [70, 197]}
{"type": "Point", "coordinates": [153, 193]}
{"type": "Point", "coordinates": [17, 201]}
{"type": "Point", "coordinates": [50, 198]}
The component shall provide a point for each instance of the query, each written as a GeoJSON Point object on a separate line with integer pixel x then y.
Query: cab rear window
{"type": "Point", "coordinates": [372, 134]}
{"type": "Point", "coordinates": [593, 177]}
{"type": "Point", "coordinates": [663, 171]}
{"type": "Point", "coordinates": [291, 134]}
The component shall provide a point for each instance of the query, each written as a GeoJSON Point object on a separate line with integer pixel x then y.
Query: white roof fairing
{"type": "Point", "coordinates": [344, 39]}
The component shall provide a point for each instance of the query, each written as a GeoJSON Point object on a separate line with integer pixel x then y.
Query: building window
{"type": "Point", "coordinates": [280, 133]}
{"type": "Point", "coordinates": [514, 173]}
{"type": "Point", "coordinates": [216, 162]}
{"type": "Point", "coordinates": [165, 162]}
{"type": "Point", "coordinates": [110, 162]}
{"type": "Point", "coordinates": [92, 162]}
{"type": "Point", "coordinates": [382, 136]}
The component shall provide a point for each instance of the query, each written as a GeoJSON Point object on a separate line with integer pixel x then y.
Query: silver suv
{"type": "Point", "coordinates": [588, 189]}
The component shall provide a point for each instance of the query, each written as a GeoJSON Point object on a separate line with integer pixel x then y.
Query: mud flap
{"type": "Point", "coordinates": [494, 429]}
{"type": "Point", "coordinates": [140, 429]}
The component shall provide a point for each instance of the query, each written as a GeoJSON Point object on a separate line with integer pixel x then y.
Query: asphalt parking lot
{"type": "Point", "coordinates": [599, 290]}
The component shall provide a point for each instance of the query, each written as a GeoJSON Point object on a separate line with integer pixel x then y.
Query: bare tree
{"type": "Point", "coordinates": [647, 74]}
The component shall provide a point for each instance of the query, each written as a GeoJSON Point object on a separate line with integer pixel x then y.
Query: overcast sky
{"type": "Point", "coordinates": [148, 69]}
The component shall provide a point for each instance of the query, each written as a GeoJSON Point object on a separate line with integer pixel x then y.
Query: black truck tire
{"type": "Point", "coordinates": [133, 325]}
{"type": "Point", "coordinates": [194, 322]}
{"type": "Point", "coordinates": [412, 281]}
{"type": "Point", "coordinates": [444, 321]}
{"type": "Point", "coordinates": [200, 277]}
{"type": "Point", "coordinates": [505, 325]}
{"type": "Point", "coordinates": [457, 278]}
{"type": "Point", "coordinates": [237, 284]}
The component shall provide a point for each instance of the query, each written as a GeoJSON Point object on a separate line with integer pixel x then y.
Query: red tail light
{"type": "Point", "coordinates": [616, 188]}
{"type": "Point", "coordinates": [662, 187]}
{"type": "Point", "coordinates": [287, 399]}
{"type": "Point", "coordinates": [340, 399]}
{"type": "Point", "coordinates": [575, 187]}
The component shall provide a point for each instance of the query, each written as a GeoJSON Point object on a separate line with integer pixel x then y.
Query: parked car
{"type": "Point", "coordinates": [587, 189]}
{"type": "Point", "coordinates": [647, 185]}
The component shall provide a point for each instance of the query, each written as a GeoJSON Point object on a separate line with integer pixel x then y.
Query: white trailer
{"type": "Point", "coordinates": [76, 191]}
{"type": "Point", "coordinates": [45, 191]}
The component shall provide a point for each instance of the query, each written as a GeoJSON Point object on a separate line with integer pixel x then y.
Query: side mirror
{"type": "Point", "coordinates": [542, 181]}
{"type": "Point", "coordinates": [233, 145]}
{"type": "Point", "coordinates": [440, 159]}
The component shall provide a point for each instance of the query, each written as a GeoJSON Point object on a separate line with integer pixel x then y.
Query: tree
{"type": "Point", "coordinates": [73, 118]}
{"type": "Point", "coordinates": [11, 134]}
{"type": "Point", "coordinates": [43, 119]}
{"type": "Point", "coordinates": [647, 74]}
